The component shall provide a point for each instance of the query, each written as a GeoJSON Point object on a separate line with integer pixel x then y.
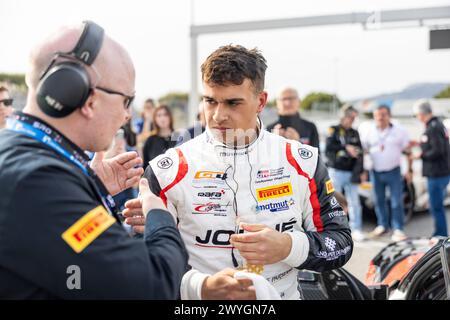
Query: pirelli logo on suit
{"type": "Point", "coordinates": [88, 228]}
{"type": "Point", "coordinates": [273, 192]}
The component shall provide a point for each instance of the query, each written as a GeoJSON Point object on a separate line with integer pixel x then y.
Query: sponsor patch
{"type": "Point", "coordinates": [273, 192]}
{"type": "Point", "coordinates": [279, 276]}
{"type": "Point", "coordinates": [276, 206]}
{"type": "Point", "coordinates": [216, 209]}
{"type": "Point", "coordinates": [330, 256]}
{"type": "Point", "coordinates": [333, 202]}
{"type": "Point", "coordinates": [165, 163]}
{"type": "Point", "coordinates": [88, 228]}
{"type": "Point", "coordinates": [211, 194]}
{"type": "Point", "coordinates": [269, 173]}
{"type": "Point", "coordinates": [305, 153]}
{"type": "Point", "coordinates": [337, 213]}
{"type": "Point", "coordinates": [329, 186]}
{"type": "Point", "coordinates": [210, 175]}
{"type": "Point", "coordinates": [205, 178]}
{"type": "Point", "coordinates": [330, 244]}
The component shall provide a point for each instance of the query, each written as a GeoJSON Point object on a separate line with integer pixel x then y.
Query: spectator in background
{"type": "Point", "coordinates": [198, 128]}
{"type": "Point", "coordinates": [124, 140]}
{"type": "Point", "coordinates": [6, 108]}
{"type": "Point", "coordinates": [435, 157]}
{"type": "Point", "coordinates": [345, 162]}
{"type": "Point", "coordinates": [385, 142]}
{"type": "Point", "coordinates": [160, 138]}
{"type": "Point", "coordinates": [130, 136]}
{"type": "Point", "coordinates": [290, 125]}
{"type": "Point", "coordinates": [144, 125]}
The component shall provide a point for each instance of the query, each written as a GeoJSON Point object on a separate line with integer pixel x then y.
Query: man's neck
{"type": "Point", "coordinates": [246, 140]}
{"type": "Point", "coordinates": [383, 127]}
{"type": "Point", "coordinates": [288, 114]}
{"type": "Point", "coordinates": [62, 125]}
{"type": "Point", "coordinates": [428, 118]}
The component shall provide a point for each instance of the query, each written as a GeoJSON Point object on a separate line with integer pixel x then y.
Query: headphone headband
{"type": "Point", "coordinates": [66, 85]}
{"type": "Point", "coordinates": [89, 44]}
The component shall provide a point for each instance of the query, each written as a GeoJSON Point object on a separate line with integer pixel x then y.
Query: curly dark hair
{"type": "Point", "coordinates": [232, 64]}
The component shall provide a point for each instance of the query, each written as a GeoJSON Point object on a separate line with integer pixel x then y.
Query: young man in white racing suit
{"type": "Point", "coordinates": [238, 172]}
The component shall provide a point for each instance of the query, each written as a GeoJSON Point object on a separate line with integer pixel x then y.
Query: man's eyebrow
{"type": "Point", "coordinates": [207, 97]}
{"type": "Point", "coordinates": [234, 100]}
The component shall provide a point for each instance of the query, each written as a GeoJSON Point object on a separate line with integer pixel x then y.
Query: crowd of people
{"type": "Point", "coordinates": [352, 159]}
{"type": "Point", "coordinates": [219, 205]}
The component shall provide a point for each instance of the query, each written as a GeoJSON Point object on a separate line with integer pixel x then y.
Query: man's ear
{"type": "Point", "coordinates": [87, 110]}
{"type": "Point", "coordinates": [262, 97]}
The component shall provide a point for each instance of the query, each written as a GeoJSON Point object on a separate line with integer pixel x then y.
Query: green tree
{"type": "Point", "coordinates": [443, 94]}
{"type": "Point", "coordinates": [177, 100]}
{"type": "Point", "coordinates": [13, 78]}
{"type": "Point", "coordinates": [271, 103]}
{"type": "Point", "coordinates": [319, 98]}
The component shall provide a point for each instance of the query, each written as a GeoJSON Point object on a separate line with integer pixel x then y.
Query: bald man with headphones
{"type": "Point", "coordinates": [60, 231]}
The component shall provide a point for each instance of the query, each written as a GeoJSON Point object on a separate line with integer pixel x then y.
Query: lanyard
{"type": "Point", "coordinates": [44, 133]}
{"type": "Point", "coordinates": [383, 138]}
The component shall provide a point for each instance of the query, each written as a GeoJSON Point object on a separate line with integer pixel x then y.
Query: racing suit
{"type": "Point", "coordinates": [281, 183]}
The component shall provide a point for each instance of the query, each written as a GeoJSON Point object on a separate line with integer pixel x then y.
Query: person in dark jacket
{"type": "Point", "coordinates": [160, 138]}
{"type": "Point", "coordinates": [290, 125]}
{"type": "Point", "coordinates": [61, 235]}
{"type": "Point", "coordinates": [435, 156]}
{"type": "Point", "coordinates": [345, 162]}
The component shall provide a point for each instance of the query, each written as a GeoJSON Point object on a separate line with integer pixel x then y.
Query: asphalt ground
{"type": "Point", "coordinates": [420, 225]}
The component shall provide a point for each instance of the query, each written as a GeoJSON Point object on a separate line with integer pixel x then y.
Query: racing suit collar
{"type": "Point", "coordinates": [223, 150]}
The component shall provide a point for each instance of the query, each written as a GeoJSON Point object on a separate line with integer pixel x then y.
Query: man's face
{"type": "Point", "coordinates": [382, 117]}
{"type": "Point", "coordinates": [288, 102]}
{"type": "Point", "coordinates": [148, 110]}
{"type": "Point", "coordinates": [421, 117]}
{"type": "Point", "coordinates": [111, 114]}
{"type": "Point", "coordinates": [231, 111]}
{"type": "Point", "coordinates": [347, 121]}
{"type": "Point", "coordinates": [5, 111]}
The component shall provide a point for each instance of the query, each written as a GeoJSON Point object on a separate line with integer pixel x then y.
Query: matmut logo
{"type": "Point", "coordinates": [88, 228]}
{"type": "Point", "coordinates": [272, 192]}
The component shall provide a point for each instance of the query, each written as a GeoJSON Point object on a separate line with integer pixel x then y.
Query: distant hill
{"type": "Point", "coordinates": [414, 91]}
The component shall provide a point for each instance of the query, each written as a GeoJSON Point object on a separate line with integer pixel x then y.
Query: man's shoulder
{"type": "Point", "coordinates": [21, 155]}
{"type": "Point", "coordinates": [302, 156]}
{"type": "Point", "coordinates": [173, 163]}
{"type": "Point", "coordinates": [26, 162]}
{"type": "Point", "coordinates": [332, 130]}
{"type": "Point", "coordinates": [436, 123]}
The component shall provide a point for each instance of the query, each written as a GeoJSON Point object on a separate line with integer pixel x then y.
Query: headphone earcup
{"type": "Point", "coordinates": [64, 88]}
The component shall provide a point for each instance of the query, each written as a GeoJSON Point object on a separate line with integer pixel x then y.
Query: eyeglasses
{"type": "Point", "coordinates": [128, 99]}
{"type": "Point", "coordinates": [6, 102]}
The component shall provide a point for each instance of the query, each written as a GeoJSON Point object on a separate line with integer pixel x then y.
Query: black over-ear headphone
{"type": "Point", "coordinates": [65, 86]}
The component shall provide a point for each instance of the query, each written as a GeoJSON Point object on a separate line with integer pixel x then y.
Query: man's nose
{"type": "Point", "coordinates": [220, 114]}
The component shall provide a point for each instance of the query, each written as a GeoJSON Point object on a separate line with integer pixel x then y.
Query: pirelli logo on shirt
{"type": "Point", "coordinates": [329, 186]}
{"type": "Point", "coordinates": [272, 192]}
{"type": "Point", "coordinates": [88, 228]}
